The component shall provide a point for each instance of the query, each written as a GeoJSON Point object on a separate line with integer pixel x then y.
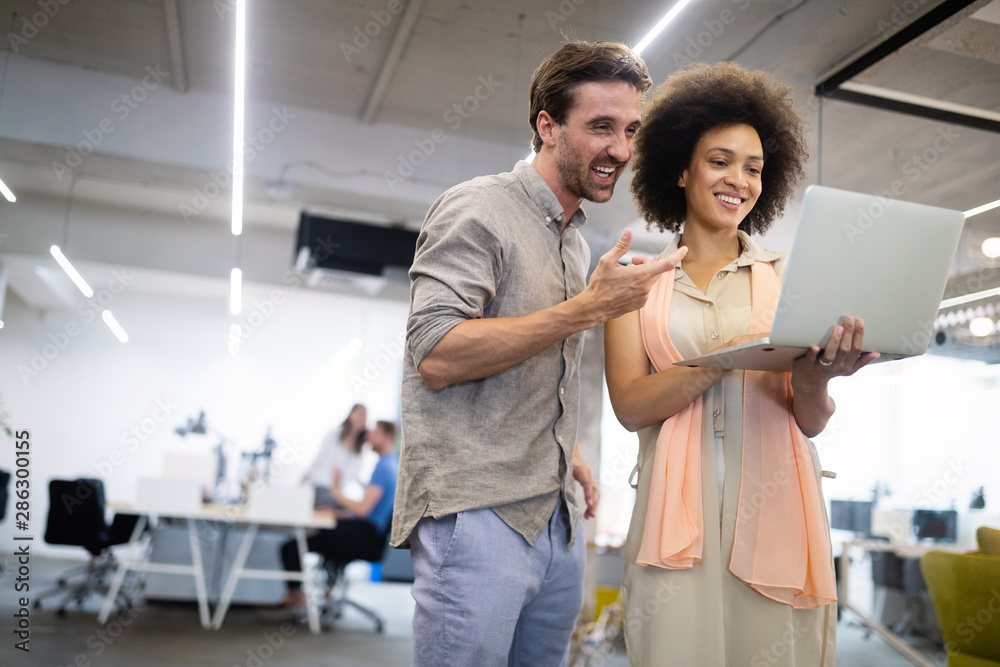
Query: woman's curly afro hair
{"type": "Point", "coordinates": [703, 97]}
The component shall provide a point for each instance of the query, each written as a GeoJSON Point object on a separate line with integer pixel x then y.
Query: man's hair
{"type": "Point", "coordinates": [553, 85]}
{"type": "Point", "coordinates": [388, 427]}
{"type": "Point", "coordinates": [701, 98]}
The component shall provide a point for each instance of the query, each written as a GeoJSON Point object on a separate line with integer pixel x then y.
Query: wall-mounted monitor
{"type": "Point", "coordinates": [939, 525]}
{"type": "Point", "coordinates": [852, 515]}
{"type": "Point", "coordinates": [354, 247]}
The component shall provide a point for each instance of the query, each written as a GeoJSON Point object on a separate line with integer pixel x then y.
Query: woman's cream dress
{"type": "Point", "coordinates": [705, 616]}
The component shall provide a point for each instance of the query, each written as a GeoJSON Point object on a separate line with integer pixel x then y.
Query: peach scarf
{"type": "Point", "coordinates": [781, 545]}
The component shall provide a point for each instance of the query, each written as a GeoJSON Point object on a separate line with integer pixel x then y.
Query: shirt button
{"type": "Point", "coordinates": [716, 413]}
{"type": "Point", "coordinates": [715, 334]}
{"type": "Point", "coordinates": [708, 304]}
{"type": "Point", "coordinates": [559, 438]}
{"type": "Point", "coordinates": [562, 391]}
{"type": "Point", "coordinates": [548, 218]}
{"type": "Point", "coordinates": [722, 274]}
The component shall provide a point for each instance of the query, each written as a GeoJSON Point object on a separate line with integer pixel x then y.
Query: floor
{"type": "Point", "coordinates": [168, 634]}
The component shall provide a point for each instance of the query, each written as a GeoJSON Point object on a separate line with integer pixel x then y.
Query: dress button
{"type": "Point", "coordinates": [722, 274]}
{"type": "Point", "coordinates": [715, 334]}
{"type": "Point", "coordinates": [716, 413]}
{"type": "Point", "coordinates": [708, 304]}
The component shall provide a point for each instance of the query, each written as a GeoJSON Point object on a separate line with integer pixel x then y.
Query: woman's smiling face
{"type": "Point", "coordinates": [723, 180]}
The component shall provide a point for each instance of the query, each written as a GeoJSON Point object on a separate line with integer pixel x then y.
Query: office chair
{"type": "Point", "coordinates": [76, 518]}
{"type": "Point", "coordinates": [337, 583]}
{"type": "Point", "coordinates": [889, 571]}
{"type": "Point", "coordinates": [4, 483]}
{"type": "Point", "coordinates": [963, 588]}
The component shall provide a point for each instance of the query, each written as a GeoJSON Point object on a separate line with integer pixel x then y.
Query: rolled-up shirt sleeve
{"type": "Point", "coordinates": [456, 269]}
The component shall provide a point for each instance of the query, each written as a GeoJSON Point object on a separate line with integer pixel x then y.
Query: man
{"type": "Point", "coordinates": [498, 307]}
{"type": "Point", "coordinates": [361, 524]}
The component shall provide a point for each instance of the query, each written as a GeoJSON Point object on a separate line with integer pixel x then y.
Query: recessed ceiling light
{"type": "Point", "coordinates": [991, 247]}
{"type": "Point", "coordinates": [981, 327]}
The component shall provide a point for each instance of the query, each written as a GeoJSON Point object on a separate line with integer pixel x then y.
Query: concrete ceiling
{"type": "Point", "coordinates": [368, 80]}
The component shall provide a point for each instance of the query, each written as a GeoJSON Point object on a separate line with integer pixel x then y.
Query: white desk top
{"type": "Point", "coordinates": [232, 513]}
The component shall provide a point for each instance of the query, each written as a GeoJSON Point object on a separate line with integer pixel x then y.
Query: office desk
{"type": "Point", "coordinates": [233, 515]}
{"type": "Point", "coordinates": [903, 551]}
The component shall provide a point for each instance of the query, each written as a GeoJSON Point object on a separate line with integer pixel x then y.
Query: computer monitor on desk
{"type": "Point", "coordinates": [852, 515]}
{"type": "Point", "coordinates": [938, 525]}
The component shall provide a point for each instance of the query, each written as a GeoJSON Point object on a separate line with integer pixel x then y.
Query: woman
{"type": "Point", "coordinates": [340, 450]}
{"type": "Point", "coordinates": [728, 559]}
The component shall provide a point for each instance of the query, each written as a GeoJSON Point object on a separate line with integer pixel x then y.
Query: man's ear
{"type": "Point", "coordinates": [546, 128]}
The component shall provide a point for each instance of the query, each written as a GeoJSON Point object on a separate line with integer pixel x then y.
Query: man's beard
{"type": "Point", "coordinates": [575, 178]}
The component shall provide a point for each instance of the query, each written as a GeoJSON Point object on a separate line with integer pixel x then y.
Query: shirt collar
{"type": "Point", "coordinates": [545, 200]}
{"type": "Point", "coordinates": [751, 253]}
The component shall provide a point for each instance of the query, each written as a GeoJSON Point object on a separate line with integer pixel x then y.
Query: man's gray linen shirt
{"type": "Point", "coordinates": [492, 247]}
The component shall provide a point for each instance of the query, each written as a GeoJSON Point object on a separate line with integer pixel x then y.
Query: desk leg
{"type": "Point", "coordinates": [116, 583]}
{"type": "Point", "coordinates": [311, 606]}
{"type": "Point", "coordinates": [234, 576]}
{"type": "Point", "coordinates": [199, 574]}
{"type": "Point", "coordinates": [891, 639]}
{"type": "Point", "coordinates": [845, 567]}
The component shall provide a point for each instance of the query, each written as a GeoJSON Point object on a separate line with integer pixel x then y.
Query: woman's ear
{"type": "Point", "coordinates": [680, 179]}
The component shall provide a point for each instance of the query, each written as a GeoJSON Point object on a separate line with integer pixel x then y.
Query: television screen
{"type": "Point", "coordinates": [852, 515]}
{"type": "Point", "coordinates": [939, 525]}
{"type": "Point", "coordinates": [355, 246]}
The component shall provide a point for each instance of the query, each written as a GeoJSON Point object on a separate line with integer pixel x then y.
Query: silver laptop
{"type": "Point", "coordinates": [878, 259]}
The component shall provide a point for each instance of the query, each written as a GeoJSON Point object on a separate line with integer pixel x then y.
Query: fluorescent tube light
{"type": "Point", "coordinates": [7, 193]}
{"type": "Point", "coordinates": [238, 108]}
{"type": "Point", "coordinates": [236, 292]}
{"type": "Point", "coordinates": [116, 328]}
{"type": "Point", "coordinates": [659, 27]}
{"type": "Point", "coordinates": [982, 209]}
{"type": "Point", "coordinates": [975, 296]}
{"type": "Point", "coordinates": [347, 352]}
{"type": "Point", "coordinates": [73, 274]}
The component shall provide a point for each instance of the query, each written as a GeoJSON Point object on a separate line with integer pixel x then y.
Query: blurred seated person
{"type": "Point", "coordinates": [340, 450]}
{"type": "Point", "coordinates": [360, 523]}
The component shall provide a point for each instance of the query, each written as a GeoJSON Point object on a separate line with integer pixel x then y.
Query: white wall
{"type": "Point", "coordinates": [96, 396]}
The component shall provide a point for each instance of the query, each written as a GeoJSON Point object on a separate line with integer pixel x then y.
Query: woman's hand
{"type": "Point", "coordinates": [841, 356]}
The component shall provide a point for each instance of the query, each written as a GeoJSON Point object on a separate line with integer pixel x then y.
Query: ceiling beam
{"type": "Point", "coordinates": [836, 83]}
{"type": "Point", "coordinates": [385, 73]}
{"type": "Point", "coordinates": [917, 105]}
{"type": "Point", "coordinates": [859, 62]}
{"type": "Point", "coordinates": [175, 45]}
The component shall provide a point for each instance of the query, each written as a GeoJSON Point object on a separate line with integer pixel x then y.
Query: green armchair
{"type": "Point", "coordinates": [965, 589]}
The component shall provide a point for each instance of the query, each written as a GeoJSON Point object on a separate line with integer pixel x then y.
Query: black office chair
{"type": "Point", "coordinates": [4, 483]}
{"type": "Point", "coordinates": [337, 583]}
{"type": "Point", "coordinates": [77, 518]}
{"type": "Point", "coordinates": [4, 493]}
{"type": "Point", "coordinates": [889, 571]}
